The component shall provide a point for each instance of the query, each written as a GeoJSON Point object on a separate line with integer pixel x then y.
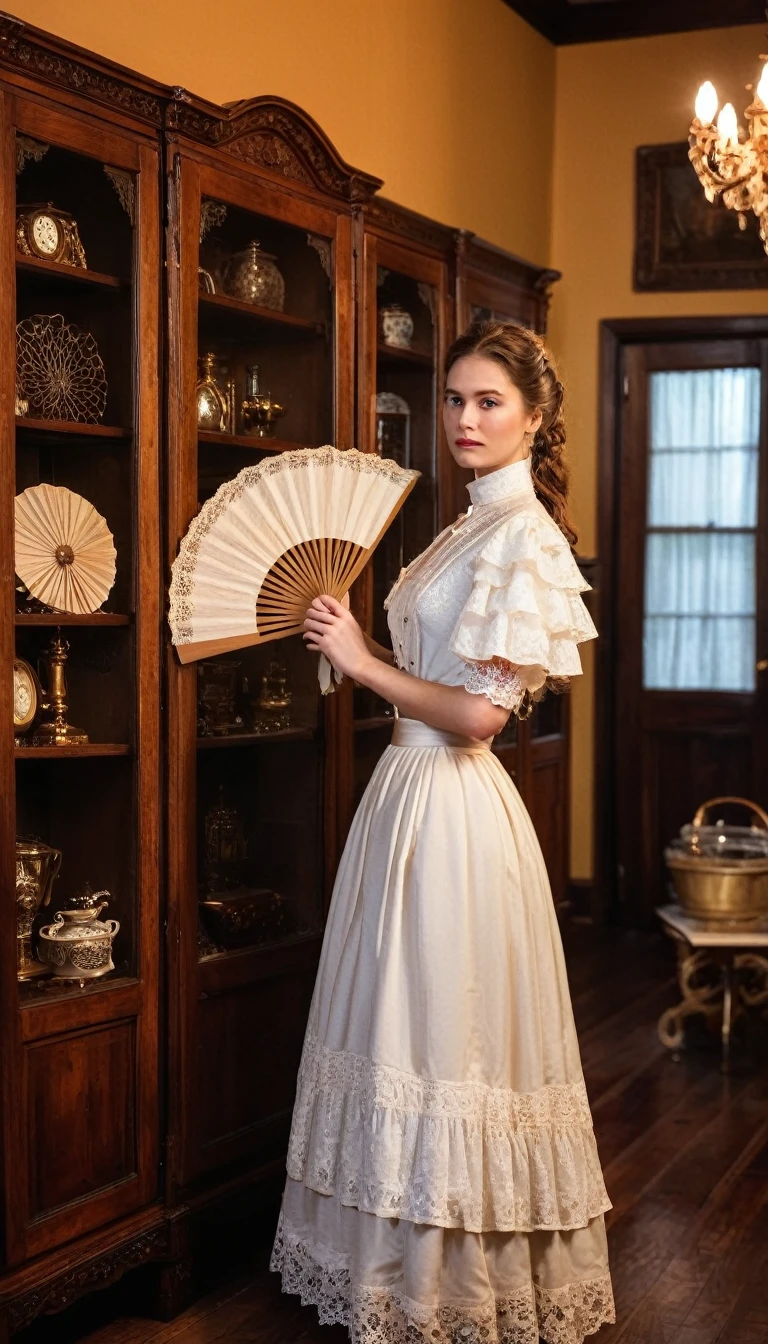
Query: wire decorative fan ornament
{"type": "Point", "coordinates": [59, 370]}
{"type": "Point", "coordinates": [65, 553]}
{"type": "Point", "coordinates": [281, 533]}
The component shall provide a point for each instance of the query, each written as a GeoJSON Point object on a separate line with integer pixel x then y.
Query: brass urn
{"type": "Point", "coordinates": [37, 867]}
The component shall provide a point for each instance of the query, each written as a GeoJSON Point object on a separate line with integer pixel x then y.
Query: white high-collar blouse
{"type": "Point", "coordinates": [498, 590]}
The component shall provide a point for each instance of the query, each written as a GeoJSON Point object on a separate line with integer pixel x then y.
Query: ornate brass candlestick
{"type": "Point", "coordinates": [55, 731]}
{"type": "Point", "coordinates": [260, 412]}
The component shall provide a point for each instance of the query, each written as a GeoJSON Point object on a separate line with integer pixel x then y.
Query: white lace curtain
{"type": "Point", "coordinates": [700, 578]}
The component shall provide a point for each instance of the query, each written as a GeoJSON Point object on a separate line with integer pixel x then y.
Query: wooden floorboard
{"type": "Point", "coordinates": [685, 1155]}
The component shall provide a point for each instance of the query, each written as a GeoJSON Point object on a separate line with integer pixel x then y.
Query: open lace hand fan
{"type": "Point", "coordinates": [278, 535]}
{"type": "Point", "coordinates": [65, 555]}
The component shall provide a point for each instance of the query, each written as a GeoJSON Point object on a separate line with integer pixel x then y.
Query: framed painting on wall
{"type": "Point", "coordinates": [682, 241]}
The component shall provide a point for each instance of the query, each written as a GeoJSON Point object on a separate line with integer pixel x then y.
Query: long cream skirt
{"type": "Point", "coordinates": [443, 1178]}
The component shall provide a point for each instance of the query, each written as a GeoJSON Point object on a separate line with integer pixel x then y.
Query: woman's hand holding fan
{"type": "Point", "coordinates": [331, 630]}
{"type": "Point", "coordinates": [283, 533]}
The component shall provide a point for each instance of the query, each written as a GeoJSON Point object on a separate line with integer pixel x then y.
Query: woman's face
{"type": "Point", "coordinates": [485, 417]}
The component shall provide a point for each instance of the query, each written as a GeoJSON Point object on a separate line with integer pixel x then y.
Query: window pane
{"type": "Point", "coordinates": [705, 408]}
{"type": "Point", "coordinates": [700, 573]}
{"type": "Point", "coordinates": [705, 427]}
{"type": "Point", "coordinates": [699, 653]}
{"type": "Point", "coordinates": [700, 586]}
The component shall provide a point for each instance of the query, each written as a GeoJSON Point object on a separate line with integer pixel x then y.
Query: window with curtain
{"type": "Point", "coordinates": [700, 545]}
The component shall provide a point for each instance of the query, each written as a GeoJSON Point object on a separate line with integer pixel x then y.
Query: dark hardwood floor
{"type": "Point", "coordinates": [685, 1155]}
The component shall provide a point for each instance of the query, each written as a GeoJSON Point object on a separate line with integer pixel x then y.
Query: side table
{"type": "Point", "coordinates": [721, 971]}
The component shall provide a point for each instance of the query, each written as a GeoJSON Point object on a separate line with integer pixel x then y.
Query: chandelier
{"type": "Point", "coordinates": [731, 162]}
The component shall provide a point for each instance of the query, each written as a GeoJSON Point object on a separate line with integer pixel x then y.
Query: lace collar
{"type": "Point", "coordinates": [514, 479]}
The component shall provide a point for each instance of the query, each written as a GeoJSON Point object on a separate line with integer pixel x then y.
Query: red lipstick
{"type": "Point", "coordinates": [468, 443]}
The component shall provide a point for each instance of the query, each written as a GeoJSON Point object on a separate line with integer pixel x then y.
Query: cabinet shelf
{"type": "Point", "coordinates": [80, 750]}
{"type": "Point", "coordinates": [70, 428]}
{"type": "Point", "coordinates": [393, 356]}
{"type": "Point", "coordinates": [219, 313]}
{"type": "Point", "coordinates": [373, 721]}
{"type": "Point", "coordinates": [37, 269]}
{"type": "Point", "coordinates": [84, 1004]}
{"type": "Point", "coordinates": [252, 739]}
{"type": "Point", "coordinates": [249, 441]}
{"type": "Point", "coordinates": [46, 618]}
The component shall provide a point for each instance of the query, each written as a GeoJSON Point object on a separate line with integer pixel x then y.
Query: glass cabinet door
{"type": "Point", "coordinates": [404, 331]}
{"type": "Point", "coordinates": [264, 385]}
{"type": "Point", "coordinates": [263, 365]}
{"type": "Point", "coordinates": [80, 307]}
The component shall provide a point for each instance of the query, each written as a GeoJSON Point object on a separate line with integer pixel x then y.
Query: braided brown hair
{"type": "Point", "coordinates": [528, 364]}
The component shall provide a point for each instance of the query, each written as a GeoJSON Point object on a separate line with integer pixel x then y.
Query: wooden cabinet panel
{"type": "Point", "coordinates": [81, 1109]}
{"type": "Point", "coordinates": [244, 1080]}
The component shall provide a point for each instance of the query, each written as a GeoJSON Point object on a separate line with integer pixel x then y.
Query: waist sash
{"type": "Point", "coordinates": [414, 733]}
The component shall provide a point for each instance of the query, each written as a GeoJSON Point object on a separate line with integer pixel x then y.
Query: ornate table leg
{"type": "Point", "coordinates": [701, 983]}
{"type": "Point", "coordinates": [725, 1029]}
{"type": "Point", "coordinates": [753, 978]}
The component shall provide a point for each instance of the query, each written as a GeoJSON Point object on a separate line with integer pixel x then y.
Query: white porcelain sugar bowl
{"type": "Point", "coordinates": [78, 945]}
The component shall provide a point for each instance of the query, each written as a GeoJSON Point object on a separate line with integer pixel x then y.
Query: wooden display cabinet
{"type": "Point", "coordinates": [112, 1146]}
{"type": "Point", "coordinates": [80, 1109]}
{"type": "Point", "coordinates": [261, 172]}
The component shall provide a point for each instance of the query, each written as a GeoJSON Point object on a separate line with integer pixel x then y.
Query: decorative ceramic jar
{"type": "Point", "coordinates": [396, 326]}
{"type": "Point", "coordinates": [78, 945]}
{"type": "Point", "coordinates": [252, 276]}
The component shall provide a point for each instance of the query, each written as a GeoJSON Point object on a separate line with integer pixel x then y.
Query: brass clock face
{"type": "Point", "coordinates": [25, 697]}
{"type": "Point", "coordinates": [45, 235]}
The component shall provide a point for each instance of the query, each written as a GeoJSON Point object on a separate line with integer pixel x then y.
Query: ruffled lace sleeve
{"type": "Point", "coordinates": [524, 616]}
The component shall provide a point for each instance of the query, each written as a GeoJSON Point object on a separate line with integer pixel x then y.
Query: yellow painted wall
{"type": "Point", "coordinates": [450, 102]}
{"type": "Point", "coordinates": [611, 97]}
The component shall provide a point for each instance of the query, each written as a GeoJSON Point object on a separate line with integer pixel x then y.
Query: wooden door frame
{"type": "Point", "coordinates": [615, 334]}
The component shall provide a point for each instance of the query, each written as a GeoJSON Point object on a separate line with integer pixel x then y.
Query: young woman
{"type": "Point", "coordinates": [443, 1179]}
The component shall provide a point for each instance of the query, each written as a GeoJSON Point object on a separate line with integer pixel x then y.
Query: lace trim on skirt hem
{"type": "Point", "coordinates": [452, 1154]}
{"type": "Point", "coordinates": [564, 1315]}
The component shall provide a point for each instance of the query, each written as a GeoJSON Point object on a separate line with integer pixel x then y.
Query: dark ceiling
{"type": "Point", "coordinates": [566, 21]}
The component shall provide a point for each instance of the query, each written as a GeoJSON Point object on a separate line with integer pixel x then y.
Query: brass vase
{"type": "Point", "coordinates": [37, 867]}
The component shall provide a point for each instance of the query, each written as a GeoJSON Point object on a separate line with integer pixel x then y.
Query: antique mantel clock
{"type": "Point", "coordinates": [50, 234]}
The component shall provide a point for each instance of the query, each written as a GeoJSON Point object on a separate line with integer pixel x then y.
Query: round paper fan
{"type": "Point", "coordinates": [65, 553]}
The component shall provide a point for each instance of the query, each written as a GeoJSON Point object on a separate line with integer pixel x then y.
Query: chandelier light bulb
{"type": "Point", "coordinates": [762, 88]}
{"type": "Point", "coordinates": [727, 124]}
{"type": "Point", "coordinates": [706, 103]}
